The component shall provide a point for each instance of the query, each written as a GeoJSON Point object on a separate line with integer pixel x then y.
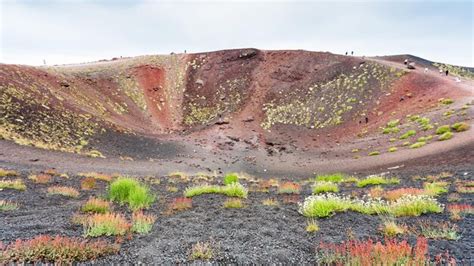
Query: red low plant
{"type": "Point", "coordinates": [457, 210]}
{"type": "Point", "coordinates": [58, 250]}
{"type": "Point", "coordinates": [393, 252]}
{"type": "Point", "coordinates": [289, 188]}
{"type": "Point", "coordinates": [88, 183]}
{"type": "Point", "coordinates": [180, 204]}
{"type": "Point", "coordinates": [398, 193]}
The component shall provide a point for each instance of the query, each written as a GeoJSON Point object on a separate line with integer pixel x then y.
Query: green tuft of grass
{"type": "Point", "coordinates": [324, 205]}
{"type": "Point", "coordinates": [446, 101]}
{"type": "Point", "coordinates": [5, 172]}
{"type": "Point", "coordinates": [231, 190]}
{"type": "Point", "coordinates": [417, 145]}
{"type": "Point", "coordinates": [377, 180]}
{"type": "Point", "coordinates": [95, 205]}
{"type": "Point", "coordinates": [142, 223]}
{"type": "Point", "coordinates": [460, 126]}
{"type": "Point", "coordinates": [408, 134]}
{"type": "Point", "coordinates": [437, 230]}
{"type": "Point", "coordinates": [233, 203]}
{"type": "Point", "coordinates": [436, 188]}
{"type": "Point", "coordinates": [335, 178]}
{"type": "Point", "coordinates": [374, 153]}
{"type": "Point", "coordinates": [415, 205]}
{"type": "Point", "coordinates": [312, 226]}
{"type": "Point", "coordinates": [130, 191]}
{"type": "Point", "coordinates": [63, 191]}
{"type": "Point", "coordinates": [391, 229]}
{"type": "Point", "coordinates": [324, 187]}
{"type": "Point", "coordinates": [16, 184]}
{"type": "Point", "coordinates": [105, 224]}
{"type": "Point", "coordinates": [231, 178]}
{"type": "Point", "coordinates": [443, 129]}
{"type": "Point", "coordinates": [7, 206]}
{"type": "Point", "coordinates": [445, 136]}
{"type": "Point", "coordinates": [392, 149]}
{"type": "Point", "coordinates": [202, 251]}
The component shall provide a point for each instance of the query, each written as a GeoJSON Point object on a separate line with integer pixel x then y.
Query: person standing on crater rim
{"type": "Point", "coordinates": [447, 72]}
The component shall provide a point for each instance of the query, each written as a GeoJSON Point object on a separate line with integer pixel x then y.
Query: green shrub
{"type": "Point", "coordinates": [377, 180]}
{"type": "Point", "coordinates": [231, 178]}
{"type": "Point", "coordinates": [105, 224]}
{"type": "Point", "coordinates": [335, 178]}
{"type": "Point", "coordinates": [374, 153]}
{"type": "Point", "coordinates": [417, 145]}
{"type": "Point", "coordinates": [460, 126]}
{"type": "Point", "coordinates": [324, 187]}
{"type": "Point", "coordinates": [406, 143]}
{"type": "Point", "coordinates": [445, 136]}
{"type": "Point", "coordinates": [16, 184]}
{"type": "Point", "coordinates": [312, 226]}
{"type": "Point", "coordinates": [130, 191]}
{"type": "Point", "coordinates": [443, 129]}
{"type": "Point", "coordinates": [408, 134]}
{"type": "Point", "coordinates": [393, 123]}
{"type": "Point", "coordinates": [95, 205]}
{"type": "Point", "coordinates": [233, 203]}
{"type": "Point", "coordinates": [390, 130]}
{"type": "Point", "coordinates": [142, 223]}
{"type": "Point", "coordinates": [392, 149]}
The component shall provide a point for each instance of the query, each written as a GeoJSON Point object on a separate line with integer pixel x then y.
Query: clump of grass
{"type": "Point", "coordinates": [40, 178]}
{"type": "Point", "coordinates": [181, 204]}
{"type": "Point", "coordinates": [231, 178]}
{"type": "Point", "coordinates": [377, 180]}
{"type": "Point", "coordinates": [436, 188]}
{"type": "Point", "coordinates": [443, 129]}
{"type": "Point", "coordinates": [408, 134]}
{"type": "Point", "coordinates": [335, 177]}
{"type": "Point", "coordinates": [415, 205]}
{"type": "Point", "coordinates": [105, 224]}
{"type": "Point", "coordinates": [391, 229]}
{"type": "Point", "coordinates": [7, 205]}
{"type": "Point", "coordinates": [323, 205]}
{"type": "Point", "coordinates": [58, 250]}
{"type": "Point", "coordinates": [446, 101]}
{"type": "Point", "coordinates": [289, 188]}
{"type": "Point", "coordinates": [5, 172]}
{"type": "Point", "coordinates": [406, 143]}
{"type": "Point", "coordinates": [142, 223]}
{"type": "Point", "coordinates": [374, 153]}
{"type": "Point", "coordinates": [460, 126]}
{"type": "Point", "coordinates": [439, 230]}
{"type": "Point", "coordinates": [424, 139]}
{"type": "Point", "coordinates": [417, 145]}
{"type": "Point", "coordinates": [202, 251]}
{"type": "Point", "coordinates": [324, 187]}
{"type": "Point", "coordinates": [233, 203]}
{"type": "Point", "coordinates": [172, 189]}
{"type": "Point", "coordinates": [63, 191]}
{"type": "Point", "coordinates": [16, 184]}
{"type": "Point", "coordinates": [312, 226]}
{"type": "Point", "coordinates": [355, 252]}
{"type": "Point", "coordinates": [130, 191]}
{"type": "Point", "coordinates": [88, 183]}
{"type": "Point", "coordinates": [231, 190]}
{"type": "Point", "coordinates": [392, 149]}
{"type": "Point", "coordinates": [270, 202]}
{"type": "Point", "coordinates": [445, 136]}
{"type": "Point", "coordinates": [98, 176]}
{"type": "Point", "coordinates": [95, 205]}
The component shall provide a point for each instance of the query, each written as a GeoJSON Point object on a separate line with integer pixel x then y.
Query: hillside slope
{"type": "Point", "coordinates": [231, 100]}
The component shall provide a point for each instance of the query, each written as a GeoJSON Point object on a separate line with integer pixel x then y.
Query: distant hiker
{"type": "Point", "coordinates": [366, 120]}
{"type": "Point", "coordinates": [426, 70]}
{"type": "Point", "coordinates": [405, 62]}
{"type": "Point", "coordinates": [447, 72]}
{"type": "Point", "coordinates": [44, 61]}
{"type": "Point", "coordinates": [346, 52]}
{"type": "Point", "coordinates": [401, 98]}
{"type": "Point", "coordinates": [352, 52]}
{"type": "Point", "coordinates": [184, 51]}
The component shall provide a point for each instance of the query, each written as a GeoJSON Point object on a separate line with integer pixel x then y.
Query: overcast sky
{"type": "Point", "coordinates": [80, 31]}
